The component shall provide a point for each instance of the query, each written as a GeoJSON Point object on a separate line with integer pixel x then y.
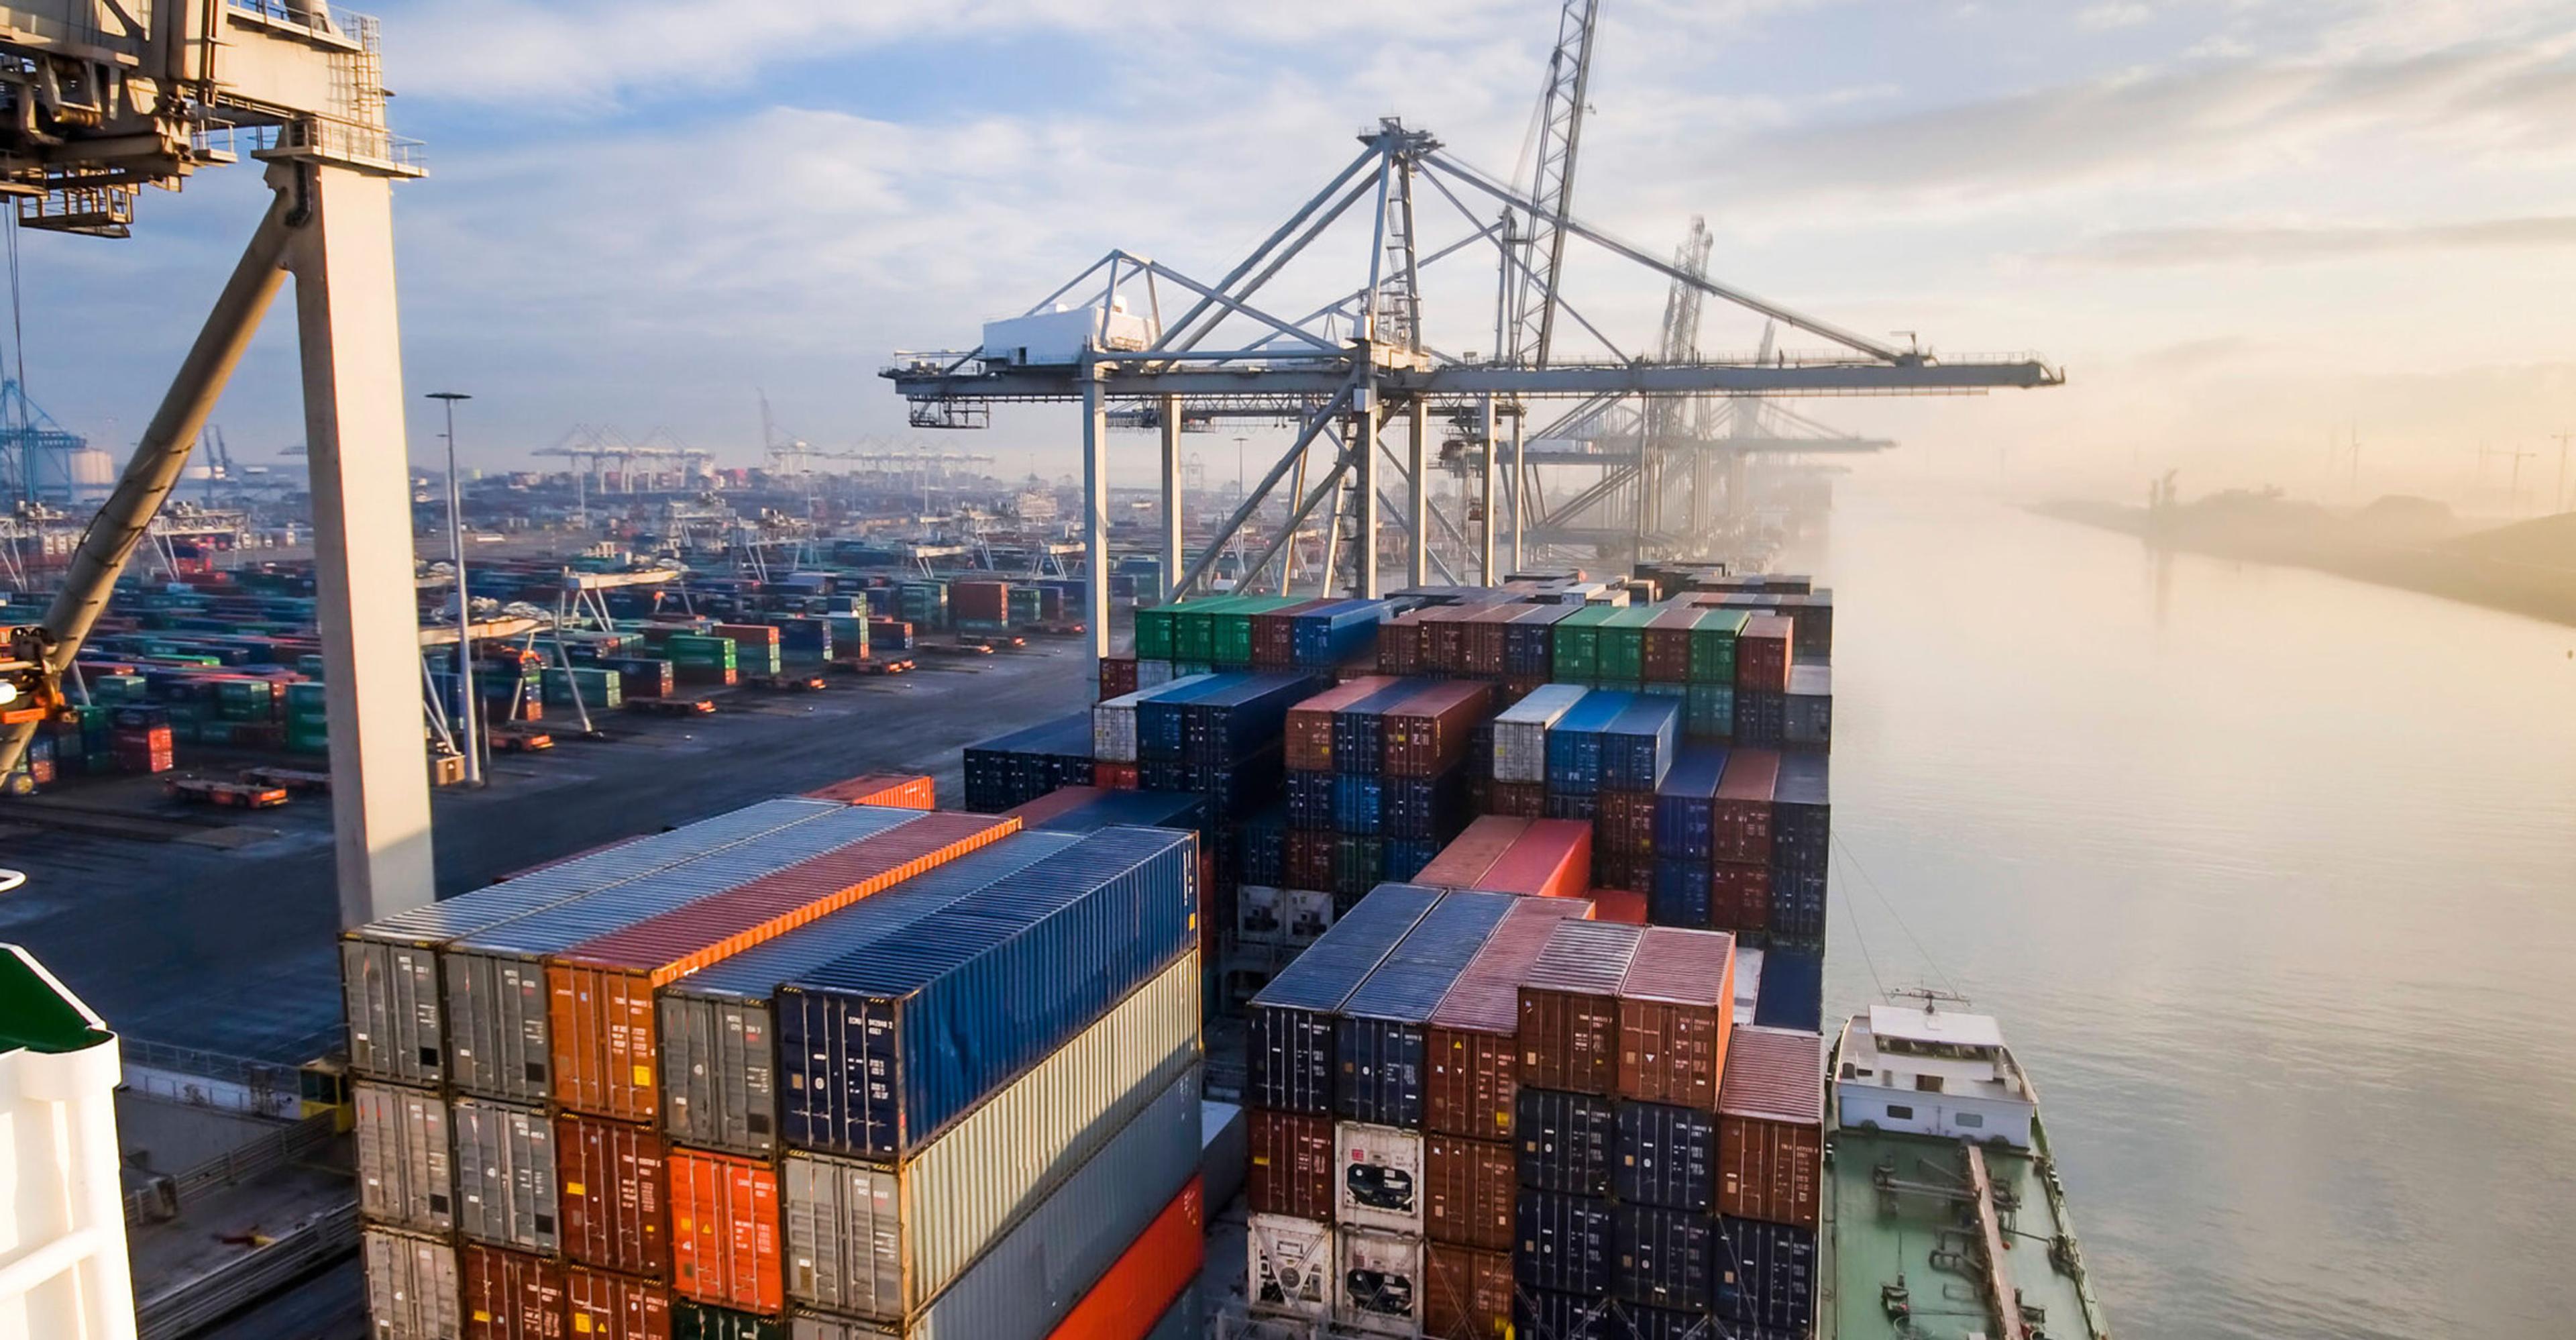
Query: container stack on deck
{"type": "Point", "coordinates": [704, 1083]}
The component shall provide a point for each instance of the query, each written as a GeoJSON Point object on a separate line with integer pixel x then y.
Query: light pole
{"type": "Point", "coordinates": [468, 727]}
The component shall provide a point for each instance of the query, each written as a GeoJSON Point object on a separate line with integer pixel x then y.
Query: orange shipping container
{"type": "Point", "coordinates": [511, 1295]}
{"type": "Point", "coordinates": [893, 790]}
{"type": "Point", "coordinates": [613, 1194]}
{"type": "Point", "coordinates": [1771, 1127]}
{"type": "Point", "coordinates": [606, 1055]}
{"type": "Point", "coordinates": [1551, 858]}
{"type": "Point", "coordinates": [724, 1231]}
{"type": "Point", "coordinates": [1469, 1294]}
{"type": "Point", "coordinates": [1471, 1073]}
{"type": "Point", "coordinates": [1624, 906]}
{"type": "Point", "coordinates": [1141, 1285]}
{"type": "Point", "coordinates": [1468, 1190]}
{"type": "Point", "coordinates": [1464, 862]}
{"type": "Point", "coordinates": [603, 1306]}
{"type": "Point", "coordinates": [1676, 1009]}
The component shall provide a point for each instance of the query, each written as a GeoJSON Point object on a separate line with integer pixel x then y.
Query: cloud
{"type": "Point", "coordinates": [2101, 17]}
{"type": "Point", "coordinates": [2241, 244]}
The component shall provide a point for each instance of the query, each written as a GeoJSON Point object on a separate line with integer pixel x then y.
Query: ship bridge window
{"type": "Point", "coordinates": [1927, 1083]}
{"type": "Point", "coordinates": [1899, 1112]}
{"type": "Point", "coordinates": [1969, 1119]}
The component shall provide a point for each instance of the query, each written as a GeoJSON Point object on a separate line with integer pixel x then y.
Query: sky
{"type": "Point", "coordinates": [2243, 227]}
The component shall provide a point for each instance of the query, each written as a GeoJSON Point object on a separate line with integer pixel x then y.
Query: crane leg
{"type": "Point", "coordinates": [1418, 494]}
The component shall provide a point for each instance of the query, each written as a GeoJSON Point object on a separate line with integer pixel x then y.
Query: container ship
{"type": "Point", "coordinates": [1448, 964]}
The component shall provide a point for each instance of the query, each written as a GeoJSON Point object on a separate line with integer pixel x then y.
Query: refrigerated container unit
{"type": "Point", "coordinates": [1379, 1032]}
{"type": "Point", "coordinates": [1472, 1076]}
{"type": "Point", "coordinates": [1290, 1268]}
{"type": "Point", "coordinates": [1770, 1128]}
{"type": "Point", "coordinates": [1382, 1286]}
{"type": "Point", "coordinates": [1569, 1008]}
{"type": "Point", "coordinates": [1289, 1045]}
{"type": "Point", "coordinates": [1288, 918]}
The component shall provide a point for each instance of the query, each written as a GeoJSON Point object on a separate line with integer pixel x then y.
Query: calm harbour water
{"type": "Point", "coordinates": [2271, 878]}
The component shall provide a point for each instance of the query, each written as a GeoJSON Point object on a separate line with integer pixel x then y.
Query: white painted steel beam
{"type": "Point", "coordinates": [1171, 534]}
{"type": "Point", "coordinates": [1485, 500]}
{"type": "Point", "coordinates": [1095, 518]}
{"type": "Point", "coordinates": [1418, 494]}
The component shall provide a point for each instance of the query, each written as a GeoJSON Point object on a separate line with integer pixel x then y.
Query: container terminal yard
{"type": "Point", "coordinates": [657, 901]}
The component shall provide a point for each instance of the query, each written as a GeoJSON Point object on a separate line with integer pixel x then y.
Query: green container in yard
{"type": "Point", "coordinates": [1154, 632]}
{"type": "Point", "coordinates": [601, 690]}
{"type": "Point", "coordinates": [1623, 642]}
{"type": "Point", "coordinates": [1576, 647]}
{"type": "Point", "coordinates": [1712, 647]}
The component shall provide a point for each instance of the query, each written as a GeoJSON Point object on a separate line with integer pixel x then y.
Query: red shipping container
{"type": "Point", "coordinates": [1471, 1061]}
{"type": "Point", "coordinates": [1061, 801]}
{"type": "Point", "coordinates": [1762, 653]}
{"type": "Point", "coordinates": [1676, 1009]}
{"type": "Point", "coordinates": [1399, 643]}
{"type": "Point", "coordinates": [1520, 800]}
{"type": "Point", "coordinates": [1116, 776]}
{"type": "Point", "coordinates": [986, 601]}
{"type": "Point", "coordinates": [1142, 1283]}
{"type": "Point", "coordinates": [1291, 1164]}
{"type": "Point", "coordinates": [1444, 633]}
{"type": "Point", "coordinates": [1552, 858]}
{"type": "Point", "coordinates": [893, 789]}
{"type": "Point", "coordinates": [613, 1195]}
{"type": "Point", "coordinates": [724, 1231]}
{"type": "Point", "coordinates": [1481, 651]}
{"type": "Point", "coordinates": [1468, 1293]}
{"type": "Point", "coordinates": [604, 1306]}
{"type": "Point", "coordinates": [606, 1040]}
{"type": "Point", "coordinates": [1117, 676]}
{"type": "Point", "coordinates": [1310, 859]}
{"type": "Point", "coordinates": [1464, 862]}
{"type": "Point", "coordinates": [1667, 645]}
{"type": "Point", "coordinates": [1627, 823]}
{"type": "Point", "coordinates": [1428, 733]}
{"type": "Point", "coordinates": [1742, 813]}
{"type": "Point", "coordinates": [1274, 636]}
{"type": "Point", "coordinates": [1310, 723]}
{"type": "Point", "coordinates": [1739, 896]}
{"type": "Point", "coordinates": [1468, 1190]}
{"type": "Point", "coordinates": [1771, 1127]}
{"type": "Point", "coordinates": [1627, 907]}
{"type": "Point", "coordinates": [511, 1295]}
{"type": "Point", "coordinates": [1569, 1007]}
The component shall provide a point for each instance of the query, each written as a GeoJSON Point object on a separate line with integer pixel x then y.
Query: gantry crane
{"type": "Point", "coordinates": [99, 99]}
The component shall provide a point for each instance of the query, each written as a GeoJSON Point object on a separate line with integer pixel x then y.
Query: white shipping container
{"type": "Point", "coordinates": [1113, 729]}
{"type": "Point", "coordinates": [413, 1291]}
{"type": "Point", "coordinates": [1520, 732]}
{"type": "Point", "coordinates": [1382, 1282]}
{"type": "Point", "coordinates": [1289, 1268]}
{"type": "Point", "coordinates": [1748, 980]}
{"type": "Point", "coordinates": [880, 1240]}
{"type": "Point", "coordinates": [1306, 914]}
{"type": "Point", "coordinates": [1378, 1181]}
{"type": "Point", "coordinates": [63, 1271]}
{"type": "Point", "coordinates": [1258, 919]}
{"type": "Point", "coordinates": [506, 1188]}
{"type": "Point", "coordinates": [1154, 674]}
{"type": "Point", "coordinates": [404, 1176]}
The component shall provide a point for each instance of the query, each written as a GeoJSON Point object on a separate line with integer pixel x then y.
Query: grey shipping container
{"type": "Point", "coordinates": [1289, 1049]}
{"type": "Point", "coordinates": [880, 1240]}
{"type": "Point", "coordinates": [389, 978]}
{"type": "Point", "coordinates": [413, 1290]}
{"type": "Point", "coordinates": [719, 1043]}
{"type": "Point", "coordinates": [499, 1036]}
{"type": "Point", "coordinates": [403, 1167]}
{"type": "Point", "coordinates": [1024, 1286]}
{"type": "Point", "coordinates": [506, 1190]}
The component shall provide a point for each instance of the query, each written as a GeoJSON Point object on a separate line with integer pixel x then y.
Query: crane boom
{"type": "Point", "coordinates": [1531, 311]}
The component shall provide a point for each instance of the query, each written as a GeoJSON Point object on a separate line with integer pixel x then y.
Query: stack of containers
{"type": "Point", "coordinates": [1337, 786]}
{"type": "Point", "coordinates": [1770, 1178]}
{"type": "Point", "coordinates": [1740, 842]}
{"type": "Point", "coordinates": [1424, 789]}
{"type": "Point", "coordinates": [1219, 738]}
{"type": "Point", "coordinates": [1564, 1124]}
{"type": "Point", "coordinates": [1014, 769]}
{"type": "Point", "coordinates": [1685, 831]}
{"type": "Point", "coordinates": [1636, 750]}
{"type": "Point", "coordinates": [1535, 858]}
{"type": "Point", "coordinates": [1115, 742]}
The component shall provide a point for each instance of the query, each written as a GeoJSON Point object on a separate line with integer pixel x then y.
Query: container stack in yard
{"type": "Point", "coordinates": [811, 1067]}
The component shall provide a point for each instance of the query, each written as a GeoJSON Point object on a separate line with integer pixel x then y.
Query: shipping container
{"type": "Point", "coordinates": [1569, 1009]}
{"type": "Point", "coordinates": [1427, 734]}
{"type": "Point", "coordinates": [1382, 1283]}
{"type": "Point", "coordinates": [885, 1047]}
{"type": "Point", "coordinates": [1762, 655]}
{"type": "Point", "coordinates": [1294, 1164]}
{"type": "Point", "coordinates": [508, 1185]}
{"type": "Point", "coordinates": [1664, 1258]}
{"type": "Point", "coordinates": [1290, 1268]}
{"type": "Point", "coordinates": [1463, 863]}
{"type": "Point", "coordinates": [605, 1039]}
{"type": "Point", "coordinates": [1552, 858]}
{"type": "Point", "coordinates": [718, 1036]}
{"type": "Point", "coordinates": [1083, 809]}
{"type": "Point", "coordinates": [613, 1194]}
{"type": "Point", "coordinates": [1667, 1156]}
{"type": "Point", "coordinates": [1741, 813]}
{"type": "Point", "coordinates": [1468, 1190]}
{"type": "Point", "coordinates": [1771, 1119]}
{"type": "Point", "coordinates": [413, 1286]}
{"type": "Point", "coordinates": [724, 1230]}
{"type": "Point", "coordinates": [1801, 847]}
{"type": "Point", "coordinates": [1808, 712]}
{"type": "Point", "coordinates": [1359, 729]}
{"type": "Point", "coordinates": [1624, 824]}
{"type": "Point", "coordinates": [1766, 1274]}
{"type": "Point", "coordinates": [1637, 746]}
{"type": "Point", "coordinates": [1378, 1179]}
{"type": "Point", "coordinates": [881, 1239]}
{"type": "Point", "coordinates": [889, 790]}
{"type": "Point", "coordinates": [1292, 918]}
{"type": "Point", "coordinates": [511, 1295]}
{"type": "Point", "coordinates": [1685, 804]}
{"type": "Point", "coordinates": [1472, 1062]}
{"type": "Point", "coordinates": [1148, 1280]}
{"type": "Point", "coordinates": [1562, 1243]}
{"type": "Point", "coordinates": [707, 1321]}
{"type": "Point", "coordinates": [1676, 1008]}
{"type": "Point", "coordinates": [1468, 1291]}
{"type": "Point", "coordinates": [404, 1174]}
{"type": "Point", "coordinates": [1290, 1063]}
{"type": "Point", "coordinates": [390, 978]}
{"type": "Point", "coordinates": [1565, 1141]}
{"type": "Point", "coordinates": [1793, 987]}
{"type": "Point", "coordinates": [604, 1306]}
{"type": "Point", "coordinates": [1309, 724]}
{"type": "Point", "coordinates": [1378, 1043]}
{"type": "Point", "coordinates": [1521, 730]}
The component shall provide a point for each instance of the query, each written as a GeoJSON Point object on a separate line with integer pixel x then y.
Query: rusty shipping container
{"type": "Point", "coordinates": [1770, 1127]}
{"type": "Point", "coordinates": [1468, 1292]}
{"type": "Point", "coordinates": [1472, 1062]}
{"type": "Point", "coordinates": [1428, 734]}
{"type": "Point", "coordinates": [511, 1295]}
{"type": "Point", "coordinates": [405, 1176]}
{"type": "Point", "coordinates": [1676, 1009]}
{"type": "Point", "coordinates": [1569, 1007]}
{"type": "Point", "coordinates": [614, 1194]}
{"type": "Point", "coordinates": [602, 1018]}
{"type": "Point", "coordinates": [605, 1306]}
{"type": "Point", "coordinates": [1468, 1188]}
{"type": "Point", "coordinates": [508, 1188]}
{"type": "Point", "coordinates": [724, 1230]}
{"type": "Point", "coordinates": [1291, 1163]}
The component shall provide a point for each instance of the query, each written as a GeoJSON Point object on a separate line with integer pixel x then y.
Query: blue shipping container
{"type": "Point", "coordinates": [1792, 994]}
{"type": "Point", "coordinates": [1562, 1243]}
{"type": "Point", "coordinates": [1667, 1157]}
{"type": "Point", "coordinates": [1378, 1037]}
{"type": "Point", "coordinates": [1566, 1141]}
{"type": "Point", "coordinates": [1663, 1258]}
{"type": "Point", "coordinates": [1685, 804]}
{"type": "Point", "coordinates": [1679, 895]}
{"type": "Point", "coordinates": [1574, 743]}
{"type": "Point", "coordinates": [1289, 1043]}
{"type": "Point", "coordinates": [1767, 1274]}
{"type": "Point", "coordinates": [1637, 748]}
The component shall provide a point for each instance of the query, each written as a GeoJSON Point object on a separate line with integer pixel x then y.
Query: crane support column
{"type": "Point", "coordinates": [1485, 492]}
{"type": "Point", "coordinates": [162, 454]}
{"type": "Point", "coordinates": [1519, 488]}
{"type": "Point", "coordinates": [1418, 495]}
{"type": "Point", "coordinates": [1364, 429]}
{"type": "Point", "coordinates": [1095, 512]}
{"type": "Point", "coordinates": [1171, 497]}
{"type": "Point", "coordinates": [343, 261]}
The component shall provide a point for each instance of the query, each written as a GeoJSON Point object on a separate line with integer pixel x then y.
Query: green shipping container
{"type": "Point", "coordinates": [1708, 711]}
{"type": "Point", "coordinates": [1577, 645]}
{"type": "Point", "coordinates": [1712, 646]}
{"type": "Point", "coordinates": [1623, 642]}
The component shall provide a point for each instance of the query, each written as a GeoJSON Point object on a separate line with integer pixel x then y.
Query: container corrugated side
{"type": "Point", "coordinates": [1289, 1047]}
{"type": "Point", "coordinates": [1562, 1243]}
{"type": "Point", "coordinates": [404, 1172]}
{"type": "Point", "coordinates": [1676, 1010]}
{"type": "Point", "coordinates": [1565, 1141]}
{"type": "Point", "coordinates": [1667, 1157]}
{"type": "Point", "coordinates": [493, 983]}
{"type": "Point", "coordinates": [1470, 1292]}
{"type": "Point", "coordinates": [614, 1195]}
{"type": "Point", "coordinates": [1142, 1286]}
{"type": "Point", "coordinates": [508, 1184]}
{"type": "Point", "coordinates": [1767, 1275]}
{"type": "Point", "coordinates": [604, 1306]}
{"type": "Point", "coordinates": [892, 1043]}
{"type": "Point", "coordinates": [880, 1239]}
{"type": "Point", "coordinates": [413, 1286]}
{"type": "Point", "coordinates": [602, 1021]}
{"type": "Point", "coordinates": [1468, 1190]}
{"type": "Point", "coordinates": [1551, 859]}
{"type": "Point", "coordinates": [1770, 1171]}
{"type": "Point", "coordinates": [1471, 1049]}
{"type": "Point", "coordinates": [719, 1043]}
{"type": "Point", "coordinates": [1290, 1164]}
{"type": "Point", "coordinates": [1064, 1245]}
{"type": "Point", "coordinates": [891, 790]}
{"type": "Point", "coordinates": [1663, 1258]}
{"type": "Point", "coordinates": [724, 1230]}
{"type": "Point", "coordinates": [1569, 1008]}
{"type": "Point", "coordinates": [1463, 863]}
{"type": "Point", "coordinates": [1378, 1036]}
{"type": "Point", "coordinates": [511, 1295]}
{"type": "Point", "coordinates": [389, 978]}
